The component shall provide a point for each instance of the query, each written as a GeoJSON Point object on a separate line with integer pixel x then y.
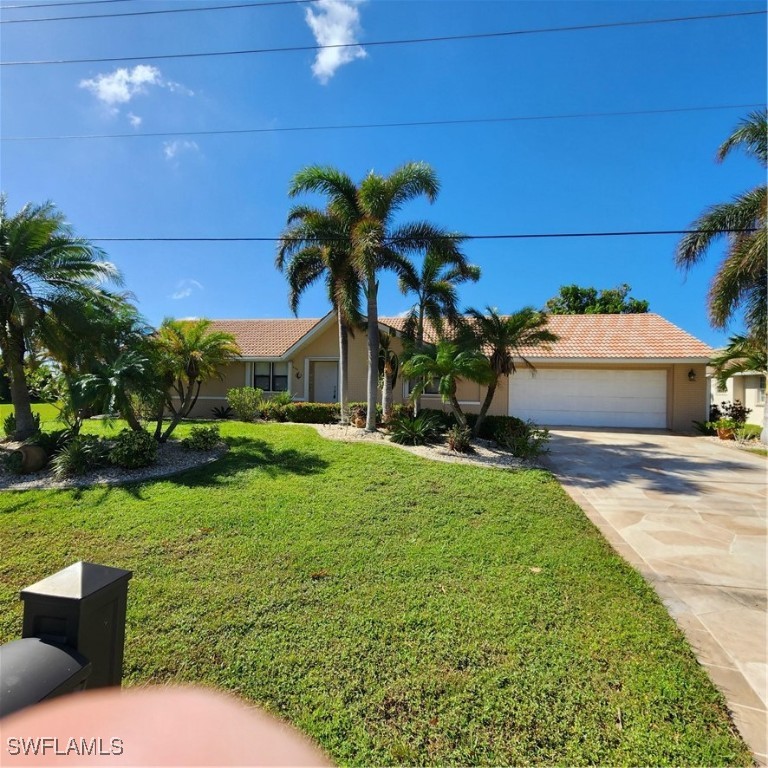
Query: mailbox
{"type": "Point", "coordinates": [82, 607]}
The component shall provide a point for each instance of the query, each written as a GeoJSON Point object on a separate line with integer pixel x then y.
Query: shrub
{"type": "Point", "coordinates": [749, 432]}
{"type": "Point", "coordinates": [446, 419]}
{"type": "Point", "coordinates": [492, 425]}
{"type": "Point", "coordinates": [202, 438]}
{"type": "Point", "coordinates": [222, 412]}
{"type": "Point", "coordinates": [525, 442]}
{"type": "Point", "coordinates": [735, 411]}
{"type": "Point", "coordinates": [458, 439]}
{"type": "Point", "coordinates": [133, 449]}
{"type": "Point", "coordinates": [360, 410]}
{"type": "Point", "coordinates": [13, 462]}
{"type": "Point", "coordinates": [80, 455]}
{"type": "Point", "coordinates": [312, 413]}
{"type": "Point", "coordinates": [703, 428]}
{"type": "Point", "coordinates": [52, 442]}
{"type": "Point", "coordinates": [246, 402]}
{"type": "Point", "coordinates": [415, 430]}
{"type": "Point", "coordinates": [9, 423]}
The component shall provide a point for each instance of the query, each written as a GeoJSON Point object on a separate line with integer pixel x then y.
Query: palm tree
{"type": "Point", "coordinates": [448, 363]}
{"type": "Point", "coordinates": [368, 211]}
{"type": "Point", "coordinates": [742, 277]}
{"type": "Point", "coordinates": [435, 289]}
{"type": "Point", "coordinates": [389, 364]}
{"type": "Point", "coordinates": [316, 244]}
{"type": "Point", "coordinates": [742, 355]}
{"type": "Point", "coordinates": [502, 338]}
{"type": "Point", "coordinates": [44, 267]}
{"type": "Point", "coordinates": [189, 353]}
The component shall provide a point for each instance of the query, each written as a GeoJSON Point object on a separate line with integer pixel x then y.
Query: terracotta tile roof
{"type": "Point", "coordinates": [266, 338]}
{"type": "Point", "coordinates": [613, 337]}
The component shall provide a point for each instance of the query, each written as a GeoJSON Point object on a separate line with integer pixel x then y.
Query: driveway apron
{"type": "Point", "coordinates": [690, 515]}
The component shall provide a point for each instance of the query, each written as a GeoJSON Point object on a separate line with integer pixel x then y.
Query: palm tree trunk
{"type": "Point", "coordinates": [386, 393]}
{"type": "Point", "coordinates": [13, 353]}
{"type": "Point", "coordinates": [485, 406]}
{"type": "Point", "coordinates": [457, 412]}
{"type": "Point", "coordinates": [343, 372]}
{"type": "Point", "coordinates": [373, 354]}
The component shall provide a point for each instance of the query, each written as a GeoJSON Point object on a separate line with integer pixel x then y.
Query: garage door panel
{"type": "Point", "coordinates": [575, 397]}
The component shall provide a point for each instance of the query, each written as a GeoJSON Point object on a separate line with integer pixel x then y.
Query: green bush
{"type": "Point", "coordinates": [202, 438]}
{"type": "Point", "coordinates": [459, 439]}
{"type": "Point", "coordinates": [415, 430]}
{"type": "Point", "coordinates": [133, 449]}
{"type": "Point", "coordinates": [246, 402]}
{"type": "Point", "coordinates": [222, 412]}
{"type": "Point", "coordinates": [526, 442]}
{"type": "Point", "coordinates": [9, 423]}
{"type": "Point", "coordinates": [312, 413]}
{"type": "Point", "coordinates": [52, 442]}
{"type": "Point", "coordinates": [81, 454]}
{"type": "Point", "coordinates": [13, 462]}
{"type": "Point", "coordinates": [509, 425]}
{"type": "Point", "coordinates": [703, 428]}
{"type": "Point", "coordinates": [749, 432]}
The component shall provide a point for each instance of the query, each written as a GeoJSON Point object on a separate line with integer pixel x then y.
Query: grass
{"type": "Point", "coordinates": [396, 610]}
{"type": "Point", "coordinates": [49, 415]}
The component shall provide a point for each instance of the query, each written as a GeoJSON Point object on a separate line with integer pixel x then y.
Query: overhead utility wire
{"type": "Point", "coordinates": [404, 41]}
{"type": "Point", "coordinates": [521, 236]}
{"type": "Point", "coordinates": [59, 5]}
{"type": "Point", "coordinates": [355, 126]}
{"type": "Point", "coordinates": [158, 12]}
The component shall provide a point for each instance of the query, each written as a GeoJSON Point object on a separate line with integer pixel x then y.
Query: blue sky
{"type": "Point", "coordinates": [638, 172]}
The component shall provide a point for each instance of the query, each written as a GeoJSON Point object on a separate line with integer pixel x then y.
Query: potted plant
{"type": "Point", "coordinates": [725, 428]}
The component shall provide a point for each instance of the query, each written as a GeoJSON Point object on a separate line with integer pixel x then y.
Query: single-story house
{"type": "Point", "coordinates": [748, 388]}
{"type": "Point", "coordinates": [605, 371]}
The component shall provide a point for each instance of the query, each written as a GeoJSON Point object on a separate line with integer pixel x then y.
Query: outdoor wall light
{"type": "Point", "coordinates": [298, 374]}
{"type": "Point", "coordinates": [691, 375]}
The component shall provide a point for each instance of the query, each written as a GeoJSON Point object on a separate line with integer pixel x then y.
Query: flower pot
{"type": "Point", "coordinates": [726, 433]}
{"type": "Point", "coordinates": [33, 458]}
{"type": "Point", "coordinates": [359, 422]}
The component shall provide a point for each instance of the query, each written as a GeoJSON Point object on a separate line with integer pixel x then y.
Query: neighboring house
{"type": "Point", "coordinates": [748, 388]}
{"type": "Point", "coordinates": [605, 371]}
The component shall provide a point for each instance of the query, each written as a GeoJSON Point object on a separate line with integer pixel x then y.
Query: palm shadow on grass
{"type": "Point", "coordinates": [247, 454]}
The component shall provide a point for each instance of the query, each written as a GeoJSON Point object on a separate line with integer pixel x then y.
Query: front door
{"type": "Point", "coordinates": [326, 381]}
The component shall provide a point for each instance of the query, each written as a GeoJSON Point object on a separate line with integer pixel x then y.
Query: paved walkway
{"type": "Point", "coordinates": [690, 515]}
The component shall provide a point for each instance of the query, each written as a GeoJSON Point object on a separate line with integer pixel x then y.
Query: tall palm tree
{"type": "Point", "coordinates": [448, 363]}
{"type": "Point", "coordinates": [44, 268]}
{"type": "Point", "coordinates": [389, 364]}
{"type": "Point", "coordinates": [502, 338]}
{"type": "Point", "coordinates": [435, 289]}
{"type": "Point", "coordinates": [376, 243]}
{"type": "Point", "coordinates": [742, 276]}
{"type": "Point", "coordinates": [189, 353]}
{"type": "Point", "coordinates": [316, 244]}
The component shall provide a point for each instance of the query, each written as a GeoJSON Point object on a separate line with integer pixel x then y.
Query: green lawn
{"type": "Point", "coordinates": [395, 609]}
{"type": "Point", "coordinates": [49, 415]}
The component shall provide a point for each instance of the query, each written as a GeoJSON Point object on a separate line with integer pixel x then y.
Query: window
{"type": "Point", "coordinates": [270, 377]}
{"type": "Point", "coordinates": [432, 388]}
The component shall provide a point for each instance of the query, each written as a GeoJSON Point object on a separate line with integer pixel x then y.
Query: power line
{"type": "Point", "coordinates": [59, 5]}
{"type": "Point", "coordinates": [513, 236]}
{"type": "Point", "coordinates": [404, 41]}
{"type": "Point", "coordinates": [404, 124]}
{"type": "Point", "coordinates": [158, 12]}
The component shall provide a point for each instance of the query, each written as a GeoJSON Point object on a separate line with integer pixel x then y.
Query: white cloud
{"type": "Point", "coordinates": [185, 288]}
{"type": "Point", "coordinates": [172, 149]}
{"type": "Point", "coordinates": [123, 85]}
{"type": "Point", "coordinates": [336, 22]}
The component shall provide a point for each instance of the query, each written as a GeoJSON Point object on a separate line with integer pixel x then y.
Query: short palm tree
{"type": "Point", "coordinates": [742, 355]}
{"type": "Point", "coordinates": [447, 362]}
{"type": "Point", "coordinates": [376, 244]}
{"type": "Point", "coordinates": [503, 338]}
{"type": "Point", "coordinates": [435, 289]}
{"type": "Point", "coordinates": [189, 353]}
{"type": "Point", "coordinates": [44, 268]}
{"type": "Point", "coordinates": [314, 245]}
{"type": "Point", "coordinates": [742, 277]}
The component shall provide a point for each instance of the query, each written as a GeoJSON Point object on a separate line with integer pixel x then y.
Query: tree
{"type": "Point", "coordinates": [389, 364]}
{"type": "Point", "coordinates": [447, 362]}
{"type": "Point", "coordinates": [45, 270]}
{"type": "Point", "coordinates": [314, 245]}
{"type": "Point", "coordinates": [578, 300]}
{"type": "Point", "coordinates": [741, 279]}
{"type": "Point", "coordinates": [742, 355]}
{"type": "Point", "coordinates": [435, 289]}
{"type": "Point", "coordinates": [189, 353]}
{"type": "Point", "coordinates": [502, 338]}
{"type": "Point", "coordinates": [376, 244]}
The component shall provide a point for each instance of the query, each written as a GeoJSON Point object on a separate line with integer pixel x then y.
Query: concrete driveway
{"type": "Point", "coordinates": [690, 515]}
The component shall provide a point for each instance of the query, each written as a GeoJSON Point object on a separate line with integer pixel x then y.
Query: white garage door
{"type": "Point", "coordinates": [590, 398]}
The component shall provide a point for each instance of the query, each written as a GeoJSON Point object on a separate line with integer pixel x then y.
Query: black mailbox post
{"type": "Point", "coordinates": [83, 607]}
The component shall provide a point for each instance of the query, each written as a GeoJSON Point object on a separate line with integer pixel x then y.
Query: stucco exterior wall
{"type": "Point", "coordinates": [687, 401]}
{"type": "Point", "coordinates": [746, 389]}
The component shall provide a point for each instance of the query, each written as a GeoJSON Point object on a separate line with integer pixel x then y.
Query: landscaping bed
{"type": "Point", "coordinates": [398, 611]}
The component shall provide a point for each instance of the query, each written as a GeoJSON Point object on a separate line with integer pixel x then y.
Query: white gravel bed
{"type": "Point", "coordinates": [484, 453]}
{"type": "Point", "coordinates": [171, 459]}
